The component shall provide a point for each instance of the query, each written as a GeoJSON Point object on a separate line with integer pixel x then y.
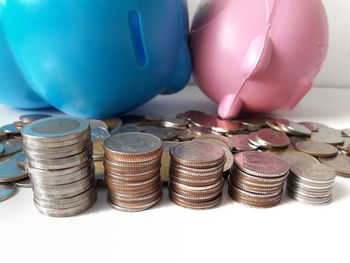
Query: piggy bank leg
{"type": "Point", "coordinates": [304, 86]}
{"type": "Point", "coordinates": [182, 74]}
{"type": "Point", "coordinates": [230, 106]}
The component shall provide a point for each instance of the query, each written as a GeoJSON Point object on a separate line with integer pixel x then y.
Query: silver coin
{"type": "Point", "coordinates": [174, 123]}
{"type": "Point", "coordinates": [329, 136]}
{"type": "Point", "coordinates": [165, 134]}
{"type": "Point", "coordinates": [10, 172]}
{"type": "Point", "coordinates": [98, 124]}
{"type": "Point", "coordinates": [98, 133]}
{"type": "Point", "coordinates": [340, 163]}
{"type": "Point", "coordinates": [66, 212]}
{"type": "Point", "coordinates": [2, 148]}
{"type": "Point", "coordinates": [6, 191]}
{"type": "Point", "coordinates": [55, 129]}
{"type": "Point", "coordinates": [18, 124]}
{"type": "Point", "coordinates": [24, 183]}
{"type": "Point", "coordinates": [293, 127]}
{"type": "Point", "coordinates": [240, 142]}
{"type": "Point", "coordinates": [125, 129]}
{"type": "Point", "coordinates": [185, 135]}
{"type": "Point", "coordinates": [346, 132]}
{"type": "Point", "coordinates": [133, 143]}
{"type": "Point", "coordinates": [293, 156]}
{"type": "Point", "coordinates": [11, 147]}
{"type": "Point", "coordinates": [314, 173]}
{"type": "Point", "coordinates": [10, 129]}
{"type": "Point", "coordinates": [253, 123]}
{"type": "Point", "coordinates": [21, 159]}
{"type": "Point", "coordinates": [272, 138]}
{"type": "Point", "coordinates": [312, 126]}
{"type": "Point", "coordinates": [317, 149]}
{"type": "Point", "coordinates": [33, 117]}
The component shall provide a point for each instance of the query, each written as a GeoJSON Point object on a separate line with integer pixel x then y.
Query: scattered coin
{"type": "Point", "coordinates": [2, 148]}
{"type": "Point", "coordinates": [153, 117]}
{"type": "Point", "coordinates": [165, 134]}
{"type": "Point", "coordinates": [185, 135]}
{"type": "Point", "coordinates": [253, 123]}
{"type": "Point", "coordinates": [310, 125]}
{"type": "Point", "coordinates": [10, 129]}
{"type": "Point", "coordinates": [293, 128]}
{"type": "Point", "coordinates": [196, 174]}
{"type": "Point", "coordinates": [98, 133]}
{"type": "Point", "coordinates": [174, 123]}
{"type": "Point", "coordinates": [24, 183]}
{"type": "Point", "coordinates": [32, 117]}
{"type": "Point", "coordinates": [132, 171]}
{"type": "Point", "coordinates": [271, 138]}
{"type": "Point", "coordinates": [293, 156]}
{"type": "Point", "coordinates": [346, 132]}
{"type": "Point", "coordinates": [329, 136]}
{"type": "Point", "coordinates": [125, 129]}
{"type": "Point", "coordinates": [340, 163]}
{"type": "Point", "coordinates": [6, 191]}
{"type": "Point", "coordinates": [240, 143]}
{"type": "Point", "coordinates": [113, 123]}
{"type": "Point", "coordinates": [226, 126]}
{"type": "Point", "coordinates": [98, 124]}
{"type": "Point", "coordinates": [257, 179]}
{"type": "Point", "coordinates": [21, 160]}
{"type": "Point", "coordinates": [11, 147]}
{"type": "Point", "coordinates": [10, 172]}
{"type": "Point", "coordinates": [316, 149]}
{"type": "Point", "coordinates": [311, 183]}
{"type": "Point", "coordinates": [18, 124]}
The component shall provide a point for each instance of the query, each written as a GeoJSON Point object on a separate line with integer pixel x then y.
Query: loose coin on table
{"type": "Point", "coordinates": [311, 183]}
{"type": "Point", "coordinates": [33, 117]}
{"type": "Point", "coordinates": [329, 136]}
{"type": "Point", "coordinates": [59, 163]}
{"type": "Point", "coordinates": [316, 149]}
{"type": "Point", "coordinates": [11, 147]}
{"type": "Point", "coordinates": [196, 174]}
{"type": "Point", "coordinates": [132, 171]}
{"type": "Point", "coordinates": [271, 138]}
{"type": "Point", "coordinates": [10, 129]}
{"type": "Point", "coordinates": [9, 170]}
{"type": "Point", "coordinates": [340, 163]}
{"type": "Point", "coordinates": [6, 191]}
{"type": "Point", "coordinates": [257, 179]}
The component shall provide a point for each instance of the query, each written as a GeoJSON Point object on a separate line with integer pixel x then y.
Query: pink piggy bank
{"type": "Point", "coordinates": [258, 55]}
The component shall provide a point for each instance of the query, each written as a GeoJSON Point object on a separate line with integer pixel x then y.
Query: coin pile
{"type": "Point", "coordinates": [257, 179]}
{"type": "Point", "coordinates": [311, 183]}
{"type": "Point", "coordinates": [59, 163]}
{"type": "Point", "coordinates": [196, 174]}
{"type": "Point", "coordinates": [132, 171]}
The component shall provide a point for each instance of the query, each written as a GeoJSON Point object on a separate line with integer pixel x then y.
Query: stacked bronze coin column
{"type": "Point", "coordinates": [132, 171]}
{"type": "Point", "coordinates": [196, 174]}
{"type": "Point", "coordinates": [59, 163]}
{"type": "Point", "coordinates": [257, 179]}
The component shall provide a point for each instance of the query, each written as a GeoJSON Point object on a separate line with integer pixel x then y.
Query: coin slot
{"type": "Point", "coordinates": [136, 34]}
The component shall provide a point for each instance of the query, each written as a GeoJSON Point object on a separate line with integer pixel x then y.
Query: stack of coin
{"type": "Point", "coordinates": [257, 179]}
{"type": "Point", "coordinates": [196, 174]}
{"type": "Point", "coordinates": [132, 171]}
{"type": "Point", "coordinates": [311, 183]}
{"type": "Point", "coordinates": [59, 163]}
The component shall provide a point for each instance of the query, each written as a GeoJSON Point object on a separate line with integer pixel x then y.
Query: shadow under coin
{"type": "Point", "coordinates": [340, 191]}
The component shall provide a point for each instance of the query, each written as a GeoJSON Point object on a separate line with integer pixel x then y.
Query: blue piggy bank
{"type": "Point", "coordinates": [92, 58]}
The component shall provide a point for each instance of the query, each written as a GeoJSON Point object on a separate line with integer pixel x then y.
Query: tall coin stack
{"type": "Point", "coordinates": [132, 171]}
{"type": "Point", "coordinates": [59, 163]}
{"type": "Point", "coordinates": [311, 183]}
{"type": "Point", "coordinates": [257, 179]}
{"type": "Point", "coordinates": [196, 174]}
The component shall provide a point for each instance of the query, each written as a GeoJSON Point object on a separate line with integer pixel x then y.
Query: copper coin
{"type": "Point", "coordinates": [226, 126]}
{"type": "Point", "coordinates": [317, 149]}
{"type": "Point", "coordinates": [293, 127]}
{"type": "Point", "coordinates": [240, 142]}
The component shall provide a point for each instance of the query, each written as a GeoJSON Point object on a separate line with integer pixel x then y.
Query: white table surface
{"type": "Point", "coordinates": [290, 232]}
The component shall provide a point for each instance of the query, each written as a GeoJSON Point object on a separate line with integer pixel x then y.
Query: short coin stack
{"type": "Point", "coordinates": [311, 183]}
{"type": "Point", "coordinates": [257, 179]}
{"type": "Point", "coordinates": [196, 174]}
{"type": "Point", "coordinates": [132, 171]}
{"type": "Point", "coordinates": [59, 163]}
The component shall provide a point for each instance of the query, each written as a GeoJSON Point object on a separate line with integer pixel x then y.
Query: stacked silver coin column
{"type": "Point", "coordinates": [196, 174]}
{"type": "Point", "coordinates": [311, 183]}
{"type": "Point", "coordinates": [132, 171]}
{"type": "Point", "coordinates": [59, 163]}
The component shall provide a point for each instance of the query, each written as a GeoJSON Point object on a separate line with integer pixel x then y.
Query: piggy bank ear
{"type": "Point", "coordinates": [257, 57]}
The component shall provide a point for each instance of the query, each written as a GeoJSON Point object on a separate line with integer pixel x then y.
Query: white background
{"type": "Point", "coordinates": [336, 70]}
